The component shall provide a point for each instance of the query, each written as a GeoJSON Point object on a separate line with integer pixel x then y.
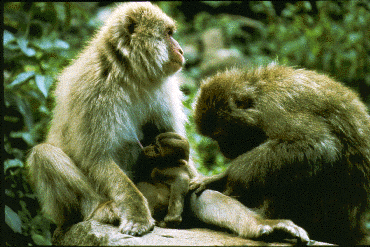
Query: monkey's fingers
{"type": "Point", "coordinates": [136, 228]}
{"type": "Point", "coordinates": [198, 184]}
{"type": "Point", "coordinates": [201, 183]}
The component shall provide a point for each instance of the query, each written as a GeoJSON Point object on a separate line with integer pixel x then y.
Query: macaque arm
{"type": "Point", "coordinates": [215, 208]}
{"type": "Point", "coordinates": [131, 203]}
{"type": "Point", "coordinates": [113, 182]}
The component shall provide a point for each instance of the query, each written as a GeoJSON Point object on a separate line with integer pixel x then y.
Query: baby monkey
{"type": "Point", "coordinates": [163, 177]}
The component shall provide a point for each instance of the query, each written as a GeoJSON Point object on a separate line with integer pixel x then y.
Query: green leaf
{"type": "Point", "coordinates": [216, 4]}
{"type": "Point", "coordinates": [44, 83]}
{"type": "Point", "coordinates": [326, 60]}
{"type": "Point", "coordinates": [354, 38]}
{"type": "Point", "coordinates": [44, 109]}
{"type": "Point", "coordinates": [21, 78]}
{"type": "Point", "coordinates": [26, 136]}
{"type": "Point", "coordinates": [23, 43]}
{"type": "Point", "coordinates": [24, 108]}
{"type": "Point", "coordinates": [8, 37]}
{"type": "Point", "coordinates": [40, 240]}
{"type": "Point", "coordinates": [61, 44]}
{"type": "Point", "coordinates": [12, 220]}
{"type": "Point", "coordinates": [44, 44]}
{"type": "Point", "coordinates": [12, 163]}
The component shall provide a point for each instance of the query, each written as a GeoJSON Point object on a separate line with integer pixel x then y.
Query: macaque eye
{"type": "Point", "coordinates": [169, 32]}
{"type": "Point", "coordinates": [244, 103]}
{"type": "Point", "coordinates": [131, 26]}
{"type": "Point", "coordinates": [241, 102]}
{"type": "Point", "coordinates": [156, 149]}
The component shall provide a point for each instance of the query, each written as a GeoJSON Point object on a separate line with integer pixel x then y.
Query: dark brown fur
{"type": "Point", "coordinates": [301, 148]}
{"type": "Point", "coordinates": [167, 183]}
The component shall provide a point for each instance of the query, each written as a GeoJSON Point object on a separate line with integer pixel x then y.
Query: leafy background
{"type": "Point", "coordinates": [39, 39]}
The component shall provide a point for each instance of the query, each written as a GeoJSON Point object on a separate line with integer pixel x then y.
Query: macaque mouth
{"type": "Point", "coordinates": [176, 63]}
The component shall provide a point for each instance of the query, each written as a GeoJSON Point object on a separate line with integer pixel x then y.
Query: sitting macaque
{"type": "Point", "coordinates": [300, 148]}
{"type": "Point", "coordinates": [165, 177]}
{"type": "Point", "coordinates": [120, 89]}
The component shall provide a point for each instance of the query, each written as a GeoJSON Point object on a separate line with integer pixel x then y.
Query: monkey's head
{"type": "Point", "coordinates": [243, 109]}
{"type": "Point", "coordinates": [225, 110]}
{"type": "Point", "coordinates": [139, 38]}
{"type": "Point", "coordinates": [167, 147]}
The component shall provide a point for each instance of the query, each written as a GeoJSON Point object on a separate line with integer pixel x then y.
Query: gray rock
{"type": "Point", "coordinates": [90, 233]}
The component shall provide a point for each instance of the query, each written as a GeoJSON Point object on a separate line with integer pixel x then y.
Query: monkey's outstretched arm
{"type": "Point", "coordinates": [215, 208]}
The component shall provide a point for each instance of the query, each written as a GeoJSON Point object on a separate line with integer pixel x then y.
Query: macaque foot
{"type": "Point", "coordinates": [170, 221]}
{"type": "Point", "coordinates": [281, 229]}
{"type": "Point", "coordinates": [109, 212]}
{"type": "Point", "coordinates": [137, 226]}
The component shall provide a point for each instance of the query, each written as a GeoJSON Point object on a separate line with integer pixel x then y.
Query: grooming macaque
{"type": "Point", "coordinates": [301, 148]}
{"type": "Point", "coordinates": [117, 92]}
{"type": "Point", "coordinates": [164, 175]}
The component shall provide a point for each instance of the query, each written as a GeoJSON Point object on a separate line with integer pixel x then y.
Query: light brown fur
{"type": "Point", "coordinates": [117, 92]}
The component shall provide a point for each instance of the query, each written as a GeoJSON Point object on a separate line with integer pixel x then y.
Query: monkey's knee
{"type": "Point", "coordinates": [38, 158]}
{"type": "Point", "coordinates": [58, 182]}
{"type": "Point", "coordinates": [45, 160]}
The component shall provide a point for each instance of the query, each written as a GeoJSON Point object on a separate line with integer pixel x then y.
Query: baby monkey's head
{"type": "Point", "coordinates": [167, 147]}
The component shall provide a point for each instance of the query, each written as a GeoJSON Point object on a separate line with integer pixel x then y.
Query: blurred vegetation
{"type": "Point", "coordinates": [40, 39]}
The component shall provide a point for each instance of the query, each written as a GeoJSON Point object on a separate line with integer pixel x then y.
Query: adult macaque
{"type": "Point", "coordinates": [164, 175]}
{"type": "Point", "coordinates": [301, 148]}
{"type": "Point", "coordinates": [117, 92]}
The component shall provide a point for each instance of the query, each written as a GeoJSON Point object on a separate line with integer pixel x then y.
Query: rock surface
{"type": "Point", "coordinates": [89, 233]}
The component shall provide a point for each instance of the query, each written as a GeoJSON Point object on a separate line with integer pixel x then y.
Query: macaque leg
{"type": "Point", "coordinates": [179, 189]}
{"type": "Point", "coordinates": [65, 193]}
{"type": "Point", "coordinates": [215, 208]}
{"type": "Point", "coordinates": [157, 196]}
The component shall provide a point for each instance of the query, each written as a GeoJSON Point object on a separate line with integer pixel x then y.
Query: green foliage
{"type": "Point", "coordinates": [335, 41]}
{"type": "Point", "coordinates": [35, 49]}
{"type": "Point", "coordinates": [205, 153]}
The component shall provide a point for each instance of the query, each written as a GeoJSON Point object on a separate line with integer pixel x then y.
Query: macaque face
{"type": "Point", "coordinates": [228, 113]}
{"type": "Point", "coordinates": [176, 55]}
{"type": "Point", "coordinates": [167, 147]}
{"type": "Point", "coordinates": [236, 140]}
{"type": "Point", "coordinates": [143, 40]}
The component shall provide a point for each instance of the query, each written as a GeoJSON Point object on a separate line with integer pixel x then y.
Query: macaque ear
{"type": "Point", "coordinates": [241, 102]}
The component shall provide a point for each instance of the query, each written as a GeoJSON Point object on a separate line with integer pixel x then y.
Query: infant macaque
{"type": "Point", "coordinates": [164, 177]}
